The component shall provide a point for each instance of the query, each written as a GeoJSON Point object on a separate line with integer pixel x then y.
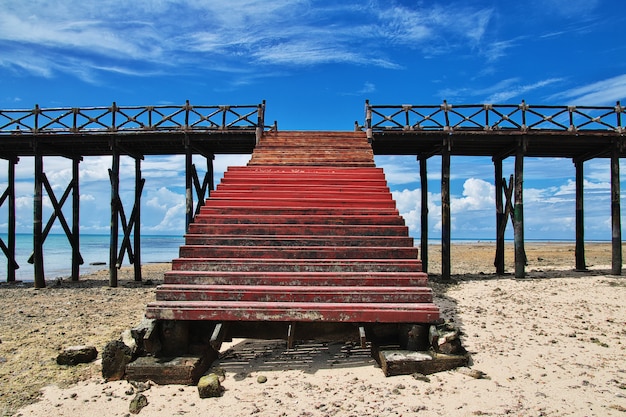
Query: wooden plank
{"type": "Point", "coordinates": [183, 370]}
{"type": "Point", "coordinates": [580, 216]}
{"type": "Point", "coordinates": [424, 212]}
{"type": "Point", "coordinates": [616, 219]}
{"type": "Point", "coordinates": [406, 362]}
{"type": "Point", "coordinates": [38, 239]}
{"type": "Point", "coordinates": [289, 312]}
{"type": "Point", "coordinates": [445, 211]}
{"type": "Point", "coordinates": [343, 277]}
{"type": "Point", "coordinates": [518, 224]}
{"type": "Point", "coordinates": [294, 293]}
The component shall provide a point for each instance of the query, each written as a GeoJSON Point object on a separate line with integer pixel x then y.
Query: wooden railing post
{"type": "Point", "coordinates": [260, 121]}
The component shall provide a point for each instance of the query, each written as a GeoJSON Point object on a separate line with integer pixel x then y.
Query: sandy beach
{"type": "Point", "coordinates": [552, 344]}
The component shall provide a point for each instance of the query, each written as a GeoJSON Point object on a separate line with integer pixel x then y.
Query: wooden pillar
{"type": "Point", "coordinates": [40, 279]}
{"type": "Point", "coordinates": [445, 210]}
{"type": "Point", "coordinates": [424, 209]}
{"type": "Point", "coordinates": [580, 218]}
{"type": "Point", "coordinates": [500, 218]}
{"type": "Point", "coordinates": [114, 174]}
{"type": "Point", "coordinates": [137, 223]}
{"type": "Point", "coordinates": [188, 184]}
{"type": "Point", "coordinates": [76, 258]}
{"type": "Point", "coordinates": [210, 173]}
{"type": "Point", "coordinates": [616, 222]}
{"type": "Point", "coordinates": [518, 212]}
{"type": "Point", "coordinates": [11, 264]}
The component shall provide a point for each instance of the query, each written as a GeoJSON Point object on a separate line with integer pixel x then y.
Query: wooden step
{"type": "Point", "coordinates": [297, 229]}
{"type": "Point", "coordinates": [290, 312]}
{"type": "Point", "coordinates": [293, 240]}
{"type": "Point", "coordinates": [344, 278]}
{"type": "Point", "coordinates": [301, 211]}
{"type": "Point", "coordinates": [285, 219]}
{"type": "Point", "coordinates": [293, 293]}
{"type": "Point", "coordinates": [279, 265]}
{"type": "Point", "coordinates": [297, 252]}
{"type": "Point", "coordinates": [298, 202]}
{"type": "Point", "coordinates": [316, 195]}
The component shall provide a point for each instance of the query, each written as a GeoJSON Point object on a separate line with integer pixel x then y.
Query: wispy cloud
{"type": "Point", "coordinates": [598, 93]}
{"type": "Point", "coordinates": [216, 34]}
{"type": "Point", "coordinates": [501, 92]}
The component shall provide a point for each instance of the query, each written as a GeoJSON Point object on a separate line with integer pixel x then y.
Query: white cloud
{"type": "Point", "coordinates": [601, 93]}
{"type": "Point", "coordinates": [477, 195]}
{"type": "Point", "coordinates": [163, 199]}
{"type": "Point", "coordinates": [502, 92]}
{"type": "Point", "coordinates": [36, 34]}
{"type": "Point", "coordinates": [515, 89]}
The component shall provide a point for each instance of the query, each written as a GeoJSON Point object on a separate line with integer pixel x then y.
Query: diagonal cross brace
{"type": "Point", "coordinates": [3, 245]}
{"type": "Point", "coordinates": [58, 213]}
{"type": "Point", "coordinates": [200, 189]}
{"type": "Point", "coordinates": [127, 227]}
{"type": "Point", "coordinates": [509, 208]}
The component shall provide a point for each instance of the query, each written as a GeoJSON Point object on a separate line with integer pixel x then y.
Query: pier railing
{"type": "Point", "coordinates": [522, 117]}
{"type": "Point", "coordinates": [132, 119]}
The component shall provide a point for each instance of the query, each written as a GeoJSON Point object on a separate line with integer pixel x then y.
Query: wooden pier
{"type": "Point", "coordinates": [497, 131]}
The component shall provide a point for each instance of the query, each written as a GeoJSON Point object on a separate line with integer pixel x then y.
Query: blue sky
{"type": "Point", "coordinates": [315, 62]}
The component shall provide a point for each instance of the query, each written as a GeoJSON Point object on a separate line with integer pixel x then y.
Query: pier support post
{"type": "Point", "coordinates": [188, 184]}
{"type": "Point", "coordinates": [9, 247]}
{"type": "Point", "coordinates": [445, 210]}
{"type": "Point", "coordinates": [77, 259]}
{"type": "Point", "coordinates": [424, 209]}
{"type": "Point", "coordinates": [580, 218]}
{"type": "Point", "coordinates": [40, 278]}
{"type": "Point", "coordinates": [139, 182]}
{"type": "Point", "coordinates": [114, 176]}
{"type": "Point", "coordinates": [518, 224]}
{"type": "Point", "coordinates": [616, 223]}
{"type": "Point", "coordinates": [500, 217]}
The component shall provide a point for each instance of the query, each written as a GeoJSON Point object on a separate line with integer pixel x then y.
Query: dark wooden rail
{"type": "Point", "coordinates": [131, 119]}
{"type": "Point", "coordinates": [522, 117]}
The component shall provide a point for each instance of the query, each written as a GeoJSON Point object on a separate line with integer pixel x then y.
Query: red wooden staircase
{"type": "Point", "coordinates": [307, 232]}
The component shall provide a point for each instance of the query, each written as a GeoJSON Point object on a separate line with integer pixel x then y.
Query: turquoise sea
{"type": "Point", "coordinates": [93, 248]}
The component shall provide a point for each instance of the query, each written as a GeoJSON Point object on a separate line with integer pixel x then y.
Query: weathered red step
{"type": "Point", "coordinates": [285, 241]}
{"type": "Point", "coordinates": [316, 195]}
{"type": "Point", "coordinates": [302, 211]}
{"type": "Point", "coordinates": [344, 278]}
{"type": "Point", "coordinates": [381, 220]}
{"type": "Point", "coordinates": [297, 252]}
{"type": "Point", "coordinates": [297, 202]}
{"type": "Point", "coordinates": [247, 265]}
{"type": "Point", "coordinates": [289, 311]}
{"type": "Point", "coordinates": [293, 293]}
{"type": "Point", "coordinates": [300, 230]}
